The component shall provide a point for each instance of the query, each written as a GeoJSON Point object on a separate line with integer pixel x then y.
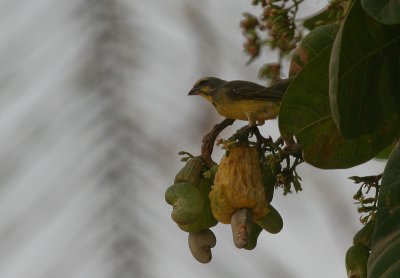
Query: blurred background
{"type": "Point", "coordinates": [93, 113]}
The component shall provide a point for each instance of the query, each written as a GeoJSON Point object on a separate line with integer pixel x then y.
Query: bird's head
{"type": "Point", "coordinates": [205, 87]}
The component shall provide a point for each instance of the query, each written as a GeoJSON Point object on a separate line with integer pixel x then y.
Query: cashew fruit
{"type": "Point", "coordinates": [364, 236]}
{"type": "Point", "coordinates": [238, 184]}
{"type": "Point", "coordinates": [253, 236]}
{"type": "Point", "coordinates": [187, 201]}
{"type": "Point", "coordinates": [245, 232]}
{"type": "Point", "coordinates": [191, 172]}
{"type": "Point", "coordinates": [356, 261]}
{"type": "Point", "coordinates": [241, 224]}
{"type": "Point", "coordinates": [200, 245]}
{"type": "Point", "coordinates": [272, 222]}
{"type": "Point", "coordinates": [205, 219]}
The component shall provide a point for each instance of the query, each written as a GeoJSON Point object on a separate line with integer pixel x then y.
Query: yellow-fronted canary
{"type": "Point", "coordinates": [242, 100]}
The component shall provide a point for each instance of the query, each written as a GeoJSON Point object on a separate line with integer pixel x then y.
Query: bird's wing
{"type": "Point", "coordinates": [248, 90]}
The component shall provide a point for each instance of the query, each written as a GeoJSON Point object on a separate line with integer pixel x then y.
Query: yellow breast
{"type": "Point", "coordinates": [243, 109]}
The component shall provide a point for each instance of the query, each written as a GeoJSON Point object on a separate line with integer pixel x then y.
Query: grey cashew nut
{"type": "Point", "coordinates": [242, 224]}
{"type": "Point", "coordinates": [271, 222]}
{"type": "Point", "coordinates": [200, 245]}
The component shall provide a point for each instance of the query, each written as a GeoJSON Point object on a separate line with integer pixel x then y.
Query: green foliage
{"type": "Point", "coordinates": [384, 11]}
{"type": "Point", "coordinates": [385, 249]}
{"type": "Point", "coordinates": [364, 76]}
{"type": "Point", "coordinates": [305, 113]}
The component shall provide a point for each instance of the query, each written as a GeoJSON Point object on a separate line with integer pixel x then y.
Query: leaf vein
{"type": "Point", "coordinates": [313, 124]}
{"type": "Point", "coordinates": [367, 56]}
{"type": "Point", "coordinates": [304, 108]}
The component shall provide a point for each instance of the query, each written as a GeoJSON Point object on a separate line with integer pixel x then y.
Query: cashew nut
{"type": "Point", "coordinates": [200, 245]}
{"type": "Point", "coordinates": [241, 223]}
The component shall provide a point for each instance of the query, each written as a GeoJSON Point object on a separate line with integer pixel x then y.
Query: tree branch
{"type": "Point", "coordinates": [208, 141]}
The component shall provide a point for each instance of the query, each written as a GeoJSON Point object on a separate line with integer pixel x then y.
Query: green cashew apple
{"type": "Point", "coordinates": [206, 219]}
{"type": "Point", "coordinates": [356, 261]}
{"type": "Point", "coordinates": [364, 236]}
{"type": "Point", "coordinates": [187, 202]}
{"type": "Point", "coordinates": [191, 172]}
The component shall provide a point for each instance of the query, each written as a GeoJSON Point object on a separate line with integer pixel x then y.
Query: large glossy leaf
{"type": "Point", "coordinates": [384, 11]}
{"type": "Point", "coordinates": [305, 113]}
{"type": "Point", "coordinates": [364, 74]}
{"type": "Point", "coordinates": [385, 250]}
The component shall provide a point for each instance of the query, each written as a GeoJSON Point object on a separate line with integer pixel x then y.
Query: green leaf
{"type": "Point", "coordinates": [384, 11]}
{"type": "Point", "coordinates": [385, 250]}
{"type": "Point", "coordinates": [305, 113]}
{"type": "Point", "coordinates": [364, 74]}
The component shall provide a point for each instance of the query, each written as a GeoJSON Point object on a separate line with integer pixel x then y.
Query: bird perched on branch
{"type": "Point", "coordinates": [242, 100]}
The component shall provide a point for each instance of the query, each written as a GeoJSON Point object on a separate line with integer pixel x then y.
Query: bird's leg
{"type": "Point", "coordinates": [251, 119]}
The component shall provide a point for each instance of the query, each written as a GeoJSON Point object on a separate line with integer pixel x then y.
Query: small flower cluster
{"type": "Point", "coordinates": [278, 29]}
{"type": "Point", "coordinates": [367, 205]}
{"type": "Point", "coordinates": [282, 164]}
{"type": "Point", "coordinates": [279, 22]}
{"type": "Point", "coordinates": [274, 28]}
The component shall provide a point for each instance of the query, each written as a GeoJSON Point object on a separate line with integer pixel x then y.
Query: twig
{"type": "Point", "coordinates": [208, 141]}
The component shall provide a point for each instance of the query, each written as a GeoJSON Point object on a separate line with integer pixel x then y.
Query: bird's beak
{"type": "Point", "coordinates": [193, 92]}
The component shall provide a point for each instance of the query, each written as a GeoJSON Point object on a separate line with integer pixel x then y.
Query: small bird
{"type": "Point", "coordinates": [242, 100]}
